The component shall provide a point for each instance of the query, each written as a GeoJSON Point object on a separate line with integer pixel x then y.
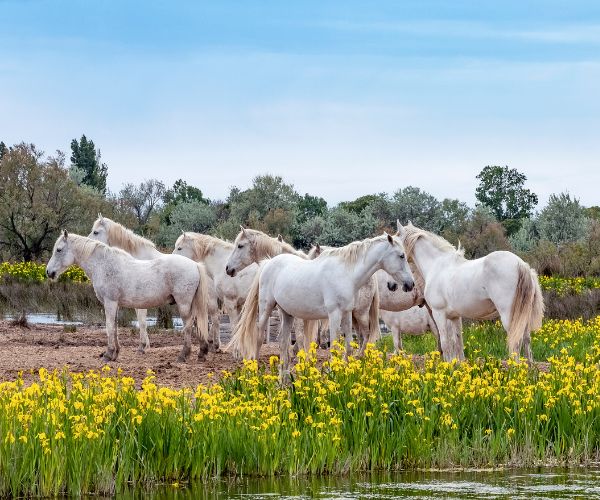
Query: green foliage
{"type": "Point", "coordinates": [503, 191]}
{"type": "Point", "coordinates": [3, 149]}
{"type": "Point", "coordinates": [86, 164]}
{"type": "Point", "coordinates": [193, 216]}
{"type": "Point", "coordinates": [483, 234]}
{"type": "Point", "coordinates": [309, 207]}
{"type": "Point", "coordinates": [358, 205]}
{"type": "Point", "coordinates": [563, 219]}
{"type": "Point", "coordinates": [37, 200]}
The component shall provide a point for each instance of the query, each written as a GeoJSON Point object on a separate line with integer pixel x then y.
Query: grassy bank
{"type": "Point", "coordinates": [95, 432]}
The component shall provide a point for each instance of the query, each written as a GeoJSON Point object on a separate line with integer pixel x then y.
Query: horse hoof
{"type": "Point", "coordinates": [182, 358]}
{"type": "Point", "coordinates": [141, 350]}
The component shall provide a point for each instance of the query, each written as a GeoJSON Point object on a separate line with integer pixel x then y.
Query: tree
{"type": "Point", "coordinates": [503, 191]}
{"type": "Point", "coordinates": [483, 234]}
{"type": "Point", "coordinates": [527, 237]}
{"type": "Point", "coordinates": [268, 193]}
{"type": "Point", "coordinates": [181, 192]}
{"type": "Point", "coordinates": [188, 216]}
{"type": "Point", "coordinates": [358, 205]}
{"type": "Point", "coordinates": [87, 166]}
{"type": "Point", "coordinates": [37, 200]}
{"type": "Point", "coordinates": [142, 200]}
{"type": "Point", "coordinates": [418, 206]}
{"type": "Point", "coordinates": [309, 207]}
{"type": "Point", "coordinates": [563, 219]}
{"type": "Point", "coordinates": [3, 149]}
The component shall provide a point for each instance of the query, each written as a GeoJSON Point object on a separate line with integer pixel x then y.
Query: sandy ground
{"type": "Point", "coordinates": [49, 346]}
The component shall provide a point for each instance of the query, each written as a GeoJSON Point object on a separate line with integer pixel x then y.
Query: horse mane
{"type": "Point", "coordinates": [350, 253]}
{"type": "Point", "coordinates": [203, 244]}
{"type": "Point", "coordinates": [265, 246]}
{"type": "Point", "coordinates": [126, 239]}
{"type": "Point", "coordinates": [414, 233]}
{"type": "Point", "coordinates": [87, 246]}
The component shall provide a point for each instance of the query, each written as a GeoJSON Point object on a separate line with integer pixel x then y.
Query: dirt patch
{"type": "Point", "coordinates": [51, 347]}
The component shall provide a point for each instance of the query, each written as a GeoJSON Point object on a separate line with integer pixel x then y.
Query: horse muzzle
{"type": "Point", "coordinates": [408, 286]}
{"type": "Point", "coordinates": [230, 271]}
{"type": "Point", "coordinates": [51, 274]}
{"type": "Point", "coordinates": [392, 286]}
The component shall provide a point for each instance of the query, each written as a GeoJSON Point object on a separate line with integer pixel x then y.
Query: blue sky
{"type": "Point", "coordinates": [340, 98]}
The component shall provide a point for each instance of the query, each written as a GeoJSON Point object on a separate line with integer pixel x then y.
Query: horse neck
{"type": "Point", "coordinates": [425, 254]}
{"type": "Point", "coordinates": [146, 252]}
{"type": "Point", "coordinates": [216, 260]}
{"type": "Point", "coordinates": [278, 250]}
{"type": "Point", "coordinates": [368, 265]}
{"type": "Point", "coordinates": [143, 251]}
{"type": "Point", "coordinates": [89, 264]}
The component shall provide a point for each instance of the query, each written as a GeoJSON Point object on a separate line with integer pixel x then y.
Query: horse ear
{"type": "Point", "coordinates": [243, 229]}
{"type": "Point", "coordinates": [318, 247]}
{"type": "Point", "coordinates": [389, 237]}
{"type": "Point", "coordinates": [100, 216]}
{"type": "Point", "coordinates": [279, 238]}
{"type": "Point", "coordinates": [399, 227]}
{"type": "Point", "coordinates": [65, 234]}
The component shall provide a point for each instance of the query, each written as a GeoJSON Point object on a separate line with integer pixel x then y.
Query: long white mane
{"type": "Point", "coordinates": [120, 236]}
{"type": "Point", "coordinates": [85, 246]}
{"type": "Point", "coordinates": [265, 245]}
{"type": "Point", "coordinates": [414, 233]}
{"type": "Point", "coordinates": [204, 245]}
{"type": "Point", "coordinates": [352, 252]}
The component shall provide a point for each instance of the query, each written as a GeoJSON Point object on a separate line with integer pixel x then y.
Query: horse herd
{"type": "Point", "coordinates": [414, 279]}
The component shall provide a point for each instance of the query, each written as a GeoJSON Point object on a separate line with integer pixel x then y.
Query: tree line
{"type": "Point", "coordinates": [40, 194]}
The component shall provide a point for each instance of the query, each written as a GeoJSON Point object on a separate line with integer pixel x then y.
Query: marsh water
{"type": "Point", "coordinates": [531, 484]}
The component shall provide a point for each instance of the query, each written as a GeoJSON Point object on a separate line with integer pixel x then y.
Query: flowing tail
{"type": "Point", "coordinates": [374, 331]}
{"type": "Point", "coordinates": [200, 303]}
{"type": "Point", "coordinates": [244, 337]}
{"type": "Point", "coordinates": [527, 309]}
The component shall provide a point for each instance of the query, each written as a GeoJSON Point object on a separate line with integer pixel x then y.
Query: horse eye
{"type": "Point", "coordinates": [402, 256]}
{"type": "Point", "coordinates": [179, 248]}
{"type": "Point", "coordinates": [59, 249]}
{"type": "Point", "coordinates": [96, 232]}
{"type": "Point", "coordinates": [240, 246]}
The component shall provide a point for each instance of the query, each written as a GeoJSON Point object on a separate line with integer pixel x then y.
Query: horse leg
{"type": "Point", "coordinates": [323, 329]}
{"type": "Point", "coordinates": [110, 311]}
{"type": "Point", "coordinates": [397, 338]}
{"type": "Point", "coordinates": [448, 340]}
{"type": "Point", "coordinates": [284, 343]}
{"type": "Point", "coordinates": [214, 335]}
{"type": "Point", "coordinates": [188, 326]}
{"type": "Point", "coordinates": [265, 308]}
{"type": "Point", "coordinates": [346, 327]}
{"type": "Point", "coordinates": [335, 319]}
{"type": "Point", "coordinates": [362, 329]}
{"type": "Point", "coordinates": [144, 339]}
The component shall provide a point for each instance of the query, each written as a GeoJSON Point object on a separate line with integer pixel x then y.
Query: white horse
{"type": "Point", "coordinates": [116, 235]}
{"type": "Point", "coordinates": [121, 280]}
{"type": "Point", "coordinates": [214, 253]}
{"type": "Point", "coordinates": [365, 315]}
{"type": "Point", "coordinates": [251, 246]}
{"type": "Point", "coordinates": [315, 289]}
{"type": "Point", "coordinates": [413, 321]}
{"type": "Point", "coordinates": [499, 284]}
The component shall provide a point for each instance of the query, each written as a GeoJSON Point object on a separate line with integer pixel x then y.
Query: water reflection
{"type": "Point", "coordinates": [530, 484]}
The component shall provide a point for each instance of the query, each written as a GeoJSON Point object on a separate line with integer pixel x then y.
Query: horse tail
{"type": "Point", "coordinates": [374, 331]}
{"type": "Point", "coordinates": [244, 337]}
{"type": "Point", "coordinates": [527, 307]}
{"type": "Point", "coordinates": [200, 302]}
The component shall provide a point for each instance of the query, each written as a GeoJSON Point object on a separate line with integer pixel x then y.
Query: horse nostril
{"type": "Point", "coordinates": [407, 287]}
{"type": "Point", "coordinates": [392, 287]}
